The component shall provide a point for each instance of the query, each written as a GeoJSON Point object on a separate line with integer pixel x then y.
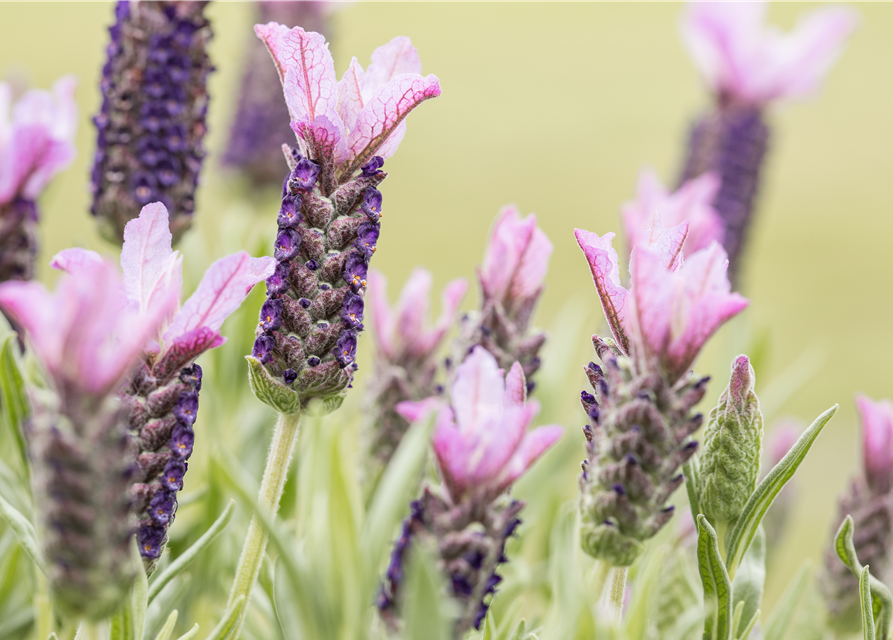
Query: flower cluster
{"type": "Point", "coordinates": [87, 337]}
{"type": "Point", "coordinates": [511, 280]}
{"type": "Point", "coordinates": [36, 143]}
{"type": "Point", "coordinates": [748, 66]}
{"type": "Point", "coordinates": [870, 503]}
{"type": "Point", "coordinates": [405, 363]}
{"type": "Point", "coordinates": [640, 418]}
{"type": "Point", "coordinates": [330, 211]}
{"type": "Point", "coordinates": [161, 400]}
{"type": "Point", "coordinates": [151, 124]}
{"type": "Point", "coordinates": [482, 446]}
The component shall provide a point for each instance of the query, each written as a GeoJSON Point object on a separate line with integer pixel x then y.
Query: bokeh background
{"type": "Point", "coordinates": [556, 107]}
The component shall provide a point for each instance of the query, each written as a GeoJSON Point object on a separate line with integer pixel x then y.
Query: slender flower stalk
{"type": "Point", "coordinates": [329, 223]}
{"type": "Point", "coordinates": [405, 363]}
{"type": "Point", "coordinates": [151, 125]}
{"type": "Point", "coordinates": [482, 446]}
{"type": "Point", "coordinates": [161, 399]}
{"type": "Point", "coordinates": [641, 420]}
{"type": "Point", "coordinates": [261, 122]}
{"type": "Point", "coordinates": [87, 337]}
{"type": "Point", "coordinates": [870, 503]}
{"type": "Point", "coordinates": [748, 66]}
{"type": "Point", "coordinates": [515, 263]}
{"type": "Point", "coordinates": [36, 143]}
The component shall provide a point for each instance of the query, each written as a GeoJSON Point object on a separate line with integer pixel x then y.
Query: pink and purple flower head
{"type": "Point", "coordinates": [744, 60]}
{"type": "Point", "coordinates": [481, 439]}
{"type": "Point", "coordinates": [876, 418]}
{"type": "Point", "coordinates": [673, 305]}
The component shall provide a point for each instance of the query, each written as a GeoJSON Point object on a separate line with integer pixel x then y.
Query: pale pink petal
{"type": "Point", "coordinates": [272, 35]}
{"type": "Point", "coordinates": [389, 61]}
{"type": "Point", "coordinates": [33, 307]}
{"type": "Point", "coordinates": [414, 411]}
{"type": "Point", "coordinates": [384, 112]}
{"type": "Point", "coordinates": [510, 237]}
{"type": "Point", "coordinates": [534, 444]}
{"type": "Point", "coordinates": [877, 442]}
{"type": "Point", "coordinates": [454, 454]}
{"type": "Point", "coordinates": [75, 259]}
{"type": "Point", "coordinates": [604, 265]}
{"type": "Point", "coordinates": [532, 267]}
{"type": "Point", "coordinates": [220, 292]}
{"type": "Point", "coordinates": [495, 442]}
{"type": "Point", "coordinates": [637, 213]}
{"type": "Point", "coordinates": [478, 390]}
{"type": "Point", "coordinates": [147, 260]}
{"type": "Point", "coordinates": [653, 292]}
{"type": "Point", "coordinates": [382, 318]}
{"type": "Point", "coordinates": [389, 147]}
{"type": "Point", "coordinates": [324, 137]}
{"type": "Point", "coordinates": [412, 308]}
{"type": "Point", "coordinates": [350, 94]}
{"type": "Point", "coordinates": [515, 386]}
{"type": "Point", "coordinates": [694, 202]}
{"type": "Point", "coordinates": [310, 84]}
{"type": "Point", "coordinates": [449, 303]}
{"type": "Point", "coordinates": [666, 243]}
{"type": "Point", "coordinates": [26, 147]}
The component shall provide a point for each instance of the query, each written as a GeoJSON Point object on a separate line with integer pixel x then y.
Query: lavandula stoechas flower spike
{"type": "Point", "coordinates": [515, 263]}
{"type": "Point", "coordinates": [151, 125]}
{"type": "Point", "coordinates": [329, 217]}
{"type": "Point", "coordinates": [482, 446]}
{"type": "Point", "coordinates": [36, 143]}
{"type": "Point", "coordinates": [405, 363]}
{"type": "Point", "coordinates": [161, 399]}
{"type": "Point", "coordinates": [640, 418]}
{"type": "Point", "coordinates": [870, 503]}
{"type": "Point", "coordinates": [87, 337]}
{"type": "Point", "coordinates": [748, 66]}
{"type": "Point", "coordinates": [733, 439]}
{"type": "Point", "coordinates": [260, 125]}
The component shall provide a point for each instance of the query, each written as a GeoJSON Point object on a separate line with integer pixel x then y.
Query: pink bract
{"type": "Point", "coordinates": [877, 442]}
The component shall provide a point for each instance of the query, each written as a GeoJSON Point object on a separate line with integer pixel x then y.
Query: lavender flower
{"type": "Point", "coordinates": [482, 446]}
{"type": "Point", "coordinates": [151, 124]}
{"type": "Point", "coordinates": [511, 279]}
{"type": "Point", "coordinates": [36, 143]}
{"type": "Point", "coordinates": [162, 397]}
{"type": "Point", "coordinates": [87, 338]}
{"type": "Point", "coordinates": [261, 123]}
{"type": "Point", "coordinates": [749, 66]}
{"type": "Point", "coordinates": [640, 420]}
{"type": "Point", "coordinates": [329, 216]}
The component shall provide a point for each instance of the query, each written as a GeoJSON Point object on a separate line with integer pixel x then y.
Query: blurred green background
{"type": "Point", "coordinates": [555, 107]}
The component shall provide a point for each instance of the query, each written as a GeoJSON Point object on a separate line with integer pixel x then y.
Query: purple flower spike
{"type": "Point", "coordinates": [181, 442]}
{"type": "Point", "coordinates": [290, 212]}
{"type": "Point", "coordinates": [352, 311]}
{"type": "Point", "coordinates": [288, 242]}
{"type": "Point", "coordinates": [162, 507]}
{"type": "Point", "coordinates": [372, 203]}
{"type": "Point", "coordinates": [186, 409]}
{"type": "Point", "coordinates": [172, 476]}
{"type": "Point", "coordinates": [270, 315]}
{"type": "Point", "coordinates": [304, 175]}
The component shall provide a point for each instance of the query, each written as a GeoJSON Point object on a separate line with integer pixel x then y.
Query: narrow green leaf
{"type": "Point", "coordinates": [229, 620]}
{"type": "Point", "coordinates": [424, 612]}
{"type": "Point", "coordinates": [24, 533]}
{"type": "Point", "coordinates": [783, 614]}
{"type": "Point", "coordinates": [717, 586]}
{"type": "Point", "coordinates": [736, 617]}
{"type": "Point", "coordinates": [190, 634]}
{"type": "Point", "coordinates": [865, 601]}
{"type": "Point", "coordinates": [139, 600]}
{"type": "Point", "coordinates": [747, 587]}
{"type": "Point", "coordinates": [168, 629]}
{"type": "Point", "coordinates": [761, 499]}
{"type": "Point", "coordinates": [13, 623]}
{"type": "Point", "coordinates": [881, 598]}
{"type": "Point", "coordinates": [53, 636]}
{"type": "Point", "coordinates": [186, 558]}
{"type": "Point", "coordinates": [14, 405]}
{"type": "Point", "coordinates": [692, 471]}
{"type": "Point", "coordinates": [744, 635]}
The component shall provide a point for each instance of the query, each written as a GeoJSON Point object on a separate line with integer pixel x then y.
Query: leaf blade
{"type": "Point", "coordinates": [716, 583]}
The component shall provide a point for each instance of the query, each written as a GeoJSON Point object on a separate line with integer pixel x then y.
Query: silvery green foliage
{"type": "Point", "coordinates": [730, 463]}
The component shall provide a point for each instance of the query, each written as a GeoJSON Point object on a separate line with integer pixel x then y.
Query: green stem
{"type": "Point", "coordinates": [618, 590]}
{"type": "Point", "coordinates": [275, 474]}
{"type": "Point", "coordinates": [600, 579]}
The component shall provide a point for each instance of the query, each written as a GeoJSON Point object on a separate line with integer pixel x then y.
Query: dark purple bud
{"type": "Point", "coordinates": [187, 408]}
{"type": "Point", "coordinates": [371, 204]}
{"type": "Point", "coordinates": [144, 185]}
{"type": "Point", "coordinates": [352, 311]}
{"type": "Point", "coordinates": [271, 315]}
{"type": "Point", "coordinates": [313, 265]}
{"type": "Point", "coordinates": [367, 237]}
{"type": "Point", "coordinates": [192, 376]}
{"type": "Point", "coordinates": [346, 348]}
{"type": "Point", "coordinates": [373, 166]}
{"type": "Point", "coordinates": [355, 270]}
{"type": "Point", "coordinates": [304, 176]}
{"type": "Point", "coordinates": [182, 441]}
{"type": "Point", "coordinates": [287, 244]}
{"type": "Point", "coordinates": [313, 361]}
{"type": "Point", "coordinates": [304, 302]}
{"type": "Point", "coordinates": [278, 282]}
{"type": "Point", "coordinates": [290, 212]}
{"type": "Point", "coordinates": [618, 489]}
{"type": "Point", "coordinates": [263, 348]}
{"type": "Point", "coordinates": [172, 477]}
{"type": "Point", "coordinates": [149, 538]}
{"type": "Point", "coordinates": [162, 507]}
{"type": "Point", "coordinates": [289, 376]}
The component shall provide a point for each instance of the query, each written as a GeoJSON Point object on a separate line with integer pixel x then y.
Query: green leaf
{"type": "Point", "coordinates": [744, 635]}
{"type": "Point", "coordinates": [865, 601]}
{"type": "Point", "coordinates": [24, 533]}
{"type": "Point", "coordinates": [747, 587]}
{"type": "Point", "coordinates": [271, 391]}
{"type": "Point", "coordinates": [53, 636]}
{"type": "Point", "coordinates": [742, 535]}
{"type": "Point", "coordinates": [424, 612]}
{"type": "Point", "coordinates": [186, 558]}
{"type": "Point", "coordinates": [717, 586]}
{"type": "Point", "coordinates": [229, 620]}
{"type": "Point", "coordinates": [14, 405]}
{"type": "Point", "coordinates": [168, 627]}
{"type": "Point", "coordinates": [692, 471]}
{"type": "Point", "coordinates": [881, 598]}
{"type": "Point", "coordinates": [129, 621]}
{"type": "Point", "coordinates": [190, 634]}
{"type": "Point", "coordinates": [783, 614]}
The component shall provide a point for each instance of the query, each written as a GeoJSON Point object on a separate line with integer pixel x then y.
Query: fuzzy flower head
{"type": "Point", "coordinates": [36, 138]}
{"type": "Point", "coordinates": [691, 202]}
{"type": "Point", "coordinates": [343, 124]}
{"type": "Point", "coordinates": [672, 307]}
{"type": "Point", "coordinates": [743, 59]}
{"type": "Point", "coordinates": [481, 439]}
{"type": "Point", "coordinates": [401, 332]}
{"type": "Point", "coordinates": [877, 442]}
{"type": "Point", "coordinates": [152, 270]}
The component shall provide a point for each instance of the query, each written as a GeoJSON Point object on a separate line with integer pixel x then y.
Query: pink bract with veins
{"type": "Point", "coordinates": [152, 269]}
{"type": "Point", "coordinates": [401, 332]}
{"type": "Point", "coordinates": [349, 121]}
{"type": "Point", "coordinates": [747, 60]}
{"type": "Point", "coordinates": [37, 142]}
{"type": "Point", "coordinates": [481, 439]}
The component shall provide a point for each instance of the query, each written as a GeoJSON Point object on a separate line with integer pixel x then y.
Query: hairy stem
{"type": "Point", "coordinates": [275, 474]}
{"type": "Point", "coordinates": [618, 588]}
{"type": "Point", "coordinates": [600, 579]}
